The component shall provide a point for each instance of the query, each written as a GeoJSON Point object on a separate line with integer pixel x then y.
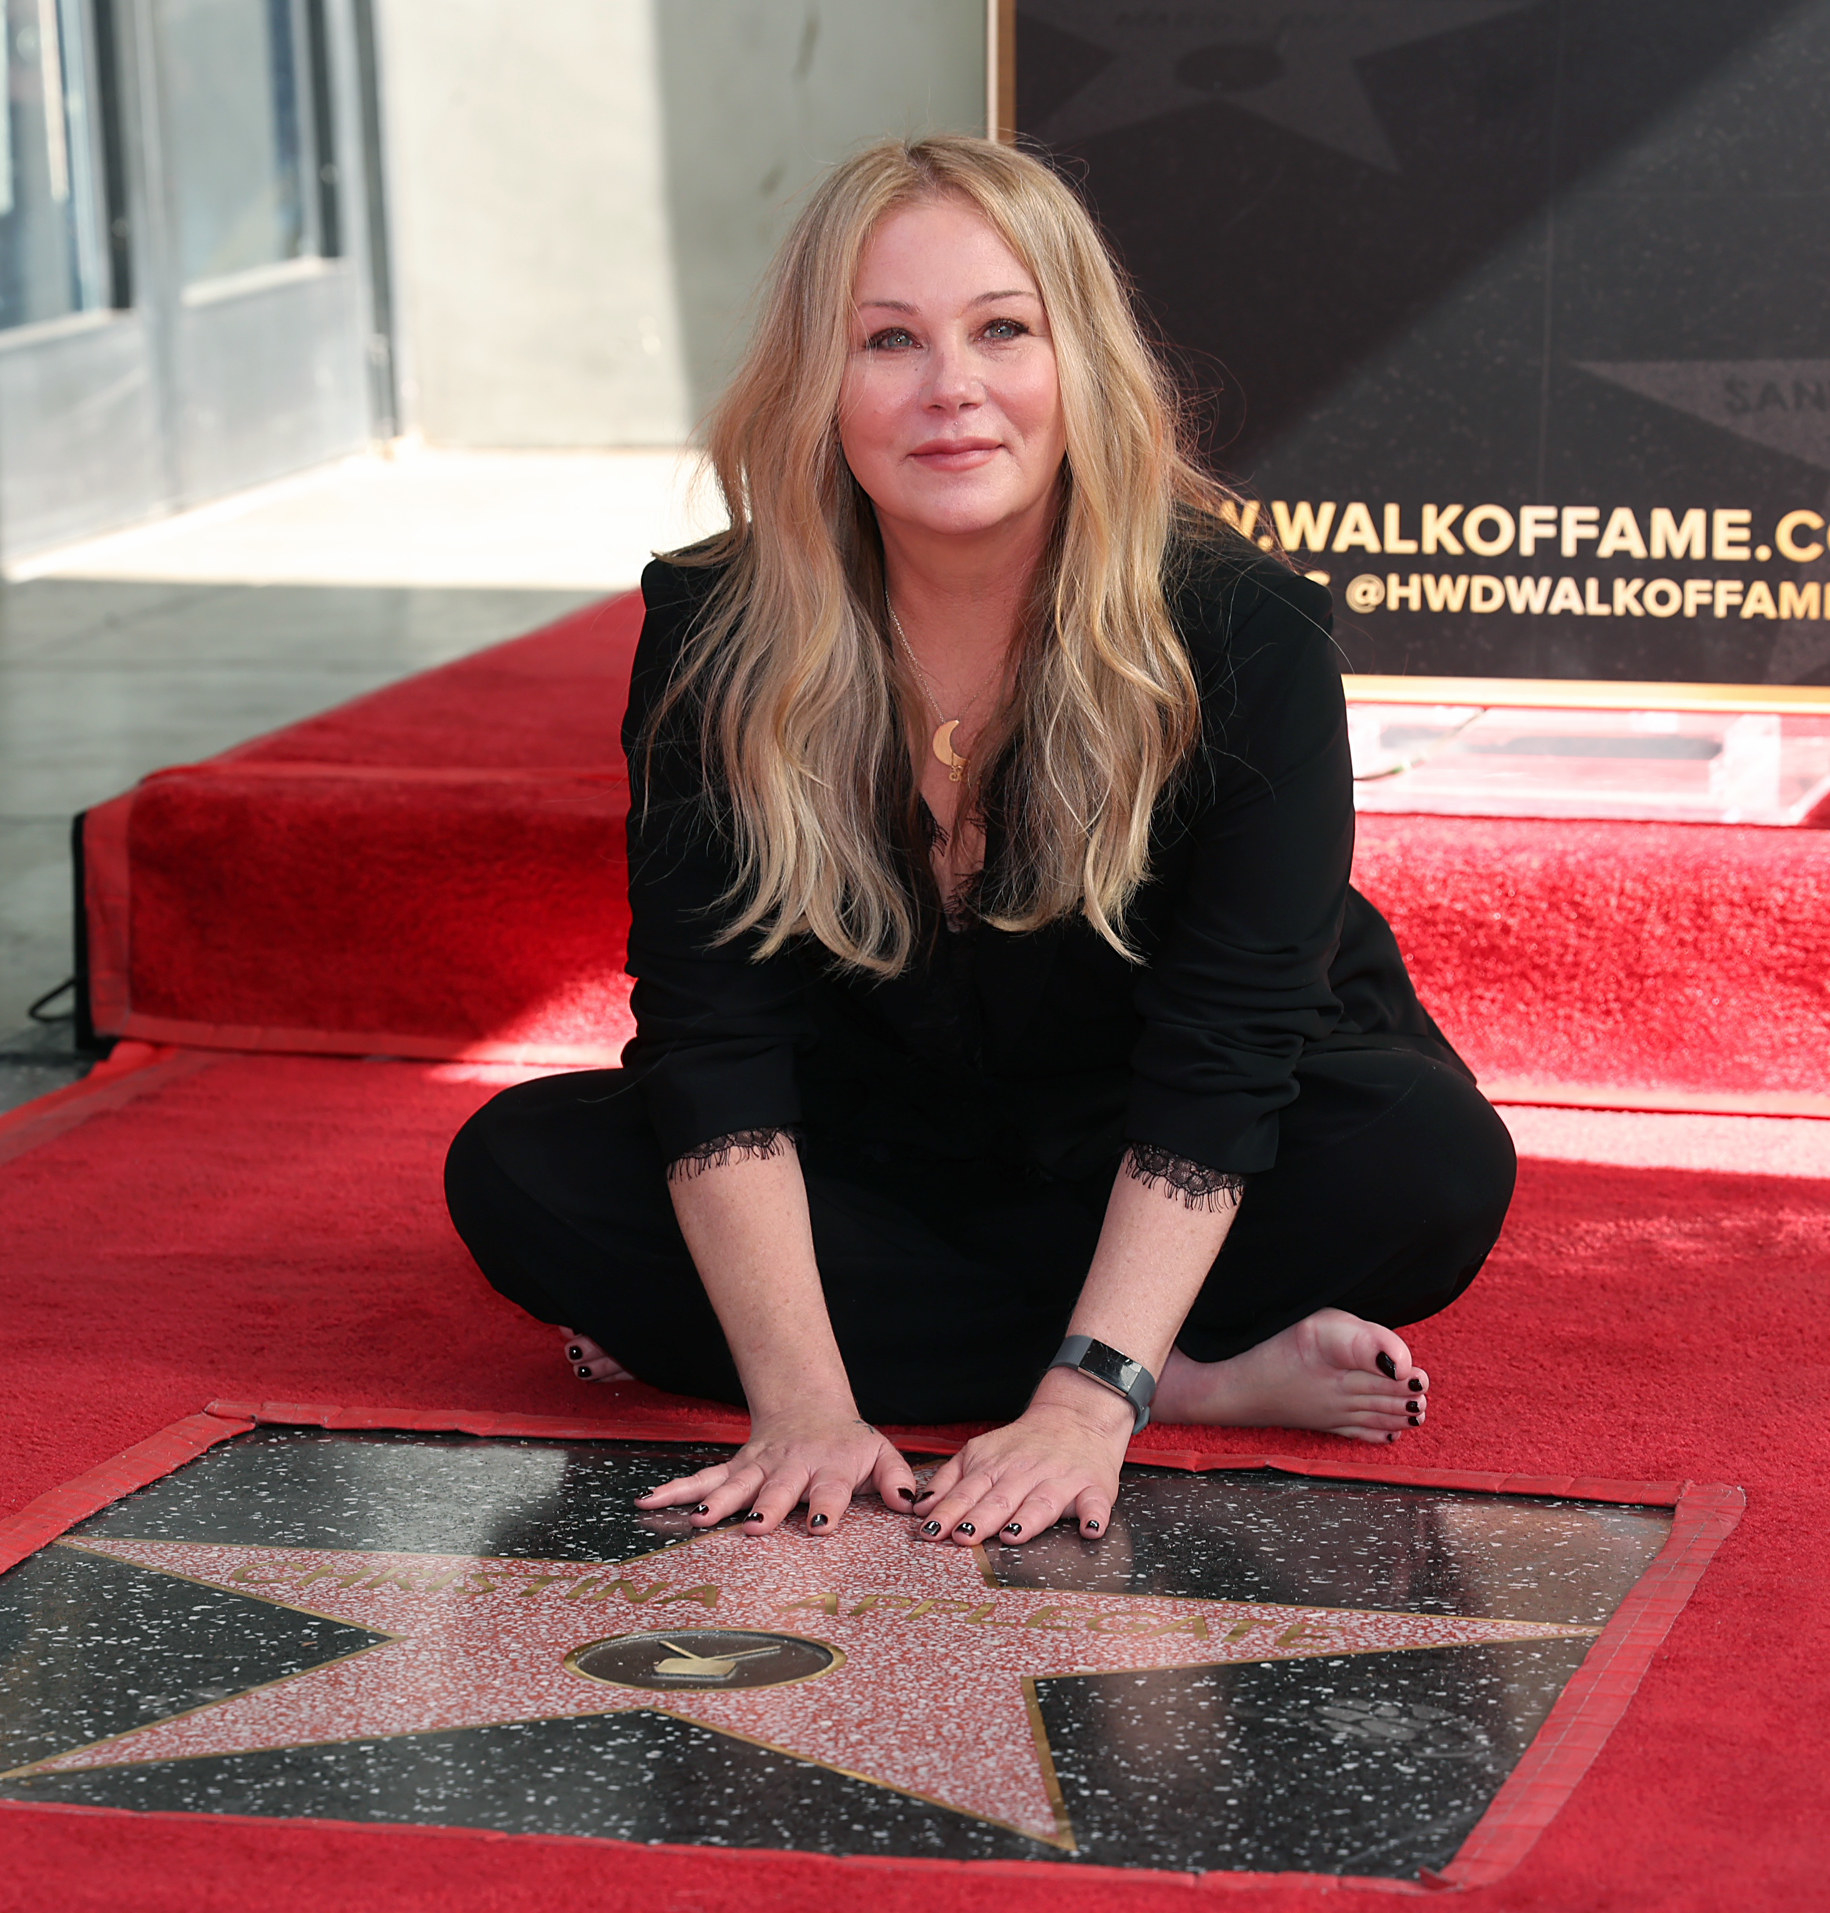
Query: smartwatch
{"type": "Point", "coordinates": [1112, 1370]}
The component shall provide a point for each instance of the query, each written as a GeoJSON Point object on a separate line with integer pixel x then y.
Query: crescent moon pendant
{"type": "Point", "coordinates": [943, 749]}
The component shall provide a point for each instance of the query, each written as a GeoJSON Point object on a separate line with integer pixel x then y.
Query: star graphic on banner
{"type": "Point", "coordinates": [1783, 404]}
{"type": "Point", "coordinates": [869, 1652]}
{"type": "Point", "coordinates": [1287, 61]}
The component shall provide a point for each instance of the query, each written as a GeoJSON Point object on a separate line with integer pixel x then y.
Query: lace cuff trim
{"type": "Point", "coordinates": [1196, 1185]}
{"type": "Point", "coordinates": [741, 1145]}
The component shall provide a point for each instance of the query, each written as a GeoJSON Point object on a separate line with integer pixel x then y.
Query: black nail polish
{"type": "Point", "coordinates": [1416, 1421]}
{"type": "Point", "coordinates": [965, 1527]}
{"type": "Point", "coordinates": [1416, 1386]}
{"type": "Point", "coordinates": [575, 1353]}
{"type": "Point", "coordinates": [1013, 1527]}
{"type": "Point", "coordinates": [930, 1527]}
{"type": "Point", "coordinates": [816, 1521]}
{"type": "Point", "coordinates": [584, 1374]}
{"type": "Point", "coordinates": [1092, 1527]}
{"type": "Point", "coordinates": [1392, 1437]}
{"type": "Point", "coordinates": [752, 1516]}
{"type": "Point", "coordinates": [1385, 1365]}
{"type": "Point", "coordinates": [908, 1494]}
{"type": "Point", "coordinates": [703, 1508]}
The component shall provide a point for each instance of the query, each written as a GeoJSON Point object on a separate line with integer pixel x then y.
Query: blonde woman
{"type": "Point", "coordinates": [1011, 1046]}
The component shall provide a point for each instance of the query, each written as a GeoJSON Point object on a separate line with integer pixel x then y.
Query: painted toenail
{"type": "Point", "coordinates": [817, 1521]}
{"type": "Point", "coordinates": [966, 1527]}
{"type": "Point", "coordinates": [584, 1374]}
{"type": "Point", "coordinates": [703, 1508]}
{"type": "Point", "coordinates": [1391, 1437]}
{"type": "Point", "coordinates": [1416, 1386]}
{"type": "Point", "coordinates": [930, 1527]}
{"type": "Point", "coordinates": [1013, 1527]}
{"type": "Point", "coordinates": [575, 1353]}
{"type": "Point", "coordinates": [1385, 1365]}
{"type": "Point", "coordinates": [1416, 1421]}
{"type": "Point", "coordinates": [908, 1494]}
{"type": "Point", "coordinates": [1092, 1527]}
{"type": "Point", "coordinates": [753, 1516]}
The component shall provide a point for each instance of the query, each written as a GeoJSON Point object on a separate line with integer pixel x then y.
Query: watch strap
{"type": "Point", "coordinates": [1113, 1370]}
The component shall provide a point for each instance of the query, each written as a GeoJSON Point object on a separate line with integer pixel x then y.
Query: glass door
{"type": "Point", "coordinates": [186, 300]}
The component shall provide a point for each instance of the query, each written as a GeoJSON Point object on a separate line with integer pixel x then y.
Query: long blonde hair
{"type": "Point", "coordinates": [802, 700]}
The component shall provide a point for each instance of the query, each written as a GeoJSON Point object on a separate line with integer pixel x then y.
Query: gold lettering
{"type": "Point", "coordinates": [1306, 1634]}
{"type": "Point", "coordinates": [246, 1575]}
{"type": "Point", "coordinates": [1621, 534]}
{"type": "Point", "coordinates": [1395, 542]}
{"type": "Point", "coordinates": [1788, 544]}
{"type": "Point", "coordinates": [442, 1580]}
{"type": "Point", "coordinates": [1191, 1624]}
{"type": "Point", "coordinates": [1305, 527]}
{"type": "Point", "coordinates": [538, 1583]}
{"type": "Point", "coordinates": [1675, 538]}
{"type": "Point", "coordinates": [1241, 514]}
{"type": "Point", "coordinates": [1124, 1621]}
{"type": "Point", "coordinates": [826, 1603]}
{"type": "Point", "coordinates": [934, 1607]}
{"type": "Point", "coordinates": [1759, 601]}
{"type": "Point", "coordinates": [1240, 1629]}
{"type": "Point", "coordinates": [1729, 535]}
{"type": "Point", "coordinates": [1436, 533]}
{"type": "Point", "coordinates": [871, 1601]}
{"type": "Point", "coordinates": [706, 1594]}
{"type": "Point", "coordinates": [1042, 1618]}
{"type": "Point", "coordinates": [981, 1616]}
{"type": "Point", "coordinates": [391, 1577]}
{"type": "Point", "coordinates": [1566, 598]}
{"type": "Point", "coordinates": [629, 1590]}
{"type": "Point", "coordinates": [1798, 601]}
{"type": "Point", "coordinates": [1356, 530]}
{"type": "Point", "coordinates": [333, 1574]}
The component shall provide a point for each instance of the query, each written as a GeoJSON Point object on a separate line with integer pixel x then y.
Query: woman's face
{"type": "Point", "coordinates": [950, 414]}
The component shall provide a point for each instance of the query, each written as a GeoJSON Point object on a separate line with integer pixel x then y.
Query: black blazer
{"type": "Point", "coordinates": [1047, 1049]}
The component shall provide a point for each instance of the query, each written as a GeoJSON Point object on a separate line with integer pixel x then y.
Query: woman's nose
{"type": "Point", "coordinates": [952, 378]}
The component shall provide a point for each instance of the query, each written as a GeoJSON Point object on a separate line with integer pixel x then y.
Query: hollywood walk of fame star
{"type": "Point", "coordinates": [1290, 62]}
{"type": "Point", "coordinates": [895, 1661]}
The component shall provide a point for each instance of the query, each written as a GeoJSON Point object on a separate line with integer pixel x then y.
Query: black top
{"type": "Point", "coordinates": [1048, 1049]}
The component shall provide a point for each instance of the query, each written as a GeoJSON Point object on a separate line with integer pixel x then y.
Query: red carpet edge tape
{"type": "Point", "coordinates": [130, 1072]}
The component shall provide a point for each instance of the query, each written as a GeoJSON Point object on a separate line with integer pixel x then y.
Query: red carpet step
{"type": "Point", "coordinates": [436, 870]}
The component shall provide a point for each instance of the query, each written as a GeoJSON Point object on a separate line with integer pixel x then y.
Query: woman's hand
{"type": "Point", "coordinates": [1061, 1456]}
{"type": "Point", "coordinates": [814, 1457]}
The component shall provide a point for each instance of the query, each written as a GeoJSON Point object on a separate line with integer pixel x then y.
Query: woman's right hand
{"type": "Point", "coordinates": [819, 1458]}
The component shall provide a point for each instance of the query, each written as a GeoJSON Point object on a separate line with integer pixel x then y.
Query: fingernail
{"type": "Point", "coordinates": [1092, 1527]}
{"type": "Point", "coordinates": [930, 1527]}
{"type": "Point", "coordinates": [752, 1516]}
{"type": "Point", "coordinates": [584, 1374]}
{"type": "Point", "coordinates": [816, 1521]}
{"type": "Point", "coordinates": [965, 1527]}
{"type": "Point", "coordinates": [1385, 1365]}
{"type": "Point", "coordinates": [705, 1507]}
{"type": "Point", "coordinates": [575, 1353]}
{"type": "Point", "coordinates": [1416, 1386]}
{"type": "Point", "coordinates": [1013, 1527]}
{"type": "Point", "coordinates": [908, 1494]}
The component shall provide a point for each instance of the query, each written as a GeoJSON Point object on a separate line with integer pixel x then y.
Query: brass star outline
{"type": "Point", "coordinates": [497, 1653]}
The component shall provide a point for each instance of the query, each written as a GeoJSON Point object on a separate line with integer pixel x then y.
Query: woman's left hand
{"type": "Point", "coordinates": [1061, 1456]}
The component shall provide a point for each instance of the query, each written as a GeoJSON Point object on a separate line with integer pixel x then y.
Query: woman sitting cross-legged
{"type": "Point", "coordinates": [1009, 1040]}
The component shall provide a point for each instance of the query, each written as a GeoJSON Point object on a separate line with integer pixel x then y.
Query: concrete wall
{"type": "Point", "coordinates": [584, 192]}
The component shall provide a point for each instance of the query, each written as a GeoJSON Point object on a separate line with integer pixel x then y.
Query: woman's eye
{"type": "Point", "coordinates": [1000, 329]}
{"type": "Point", "coordinates": [891, 339]}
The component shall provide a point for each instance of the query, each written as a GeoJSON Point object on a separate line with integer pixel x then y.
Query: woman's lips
{"type": "Point", "coordinates": [955, 455]}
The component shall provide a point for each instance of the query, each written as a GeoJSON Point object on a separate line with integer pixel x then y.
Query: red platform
{"type": "Point", "coordinates": [437, 871]}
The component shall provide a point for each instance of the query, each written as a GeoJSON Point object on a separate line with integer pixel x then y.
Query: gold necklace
{"type": "Point", "coordinates": [942, 744]}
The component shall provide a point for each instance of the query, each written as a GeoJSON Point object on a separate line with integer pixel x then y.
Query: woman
{"type": "Point", "coordinates": [998, 980]}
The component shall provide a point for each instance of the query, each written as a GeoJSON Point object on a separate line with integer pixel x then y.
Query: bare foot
{"type": "Point", "coordinates": [1324, 1373]}
{"type": "Point", "coordinates": [589, 1362]}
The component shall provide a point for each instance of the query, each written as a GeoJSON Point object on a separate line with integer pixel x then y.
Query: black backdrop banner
{"type": "Point", "coordinates": [1512, 315]}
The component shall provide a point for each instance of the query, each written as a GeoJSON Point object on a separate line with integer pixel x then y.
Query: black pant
{"type": "Point", "coordinates": [949, 1285]}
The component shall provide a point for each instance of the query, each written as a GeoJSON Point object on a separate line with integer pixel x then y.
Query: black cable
{"type": "Point", "coordinates": [36, 1011]}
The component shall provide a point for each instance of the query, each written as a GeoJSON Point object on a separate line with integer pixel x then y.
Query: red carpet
{"type": "Point", "coordinates": [269, 1228]}
{"type": "Point", "coordinates": [436, 870]}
